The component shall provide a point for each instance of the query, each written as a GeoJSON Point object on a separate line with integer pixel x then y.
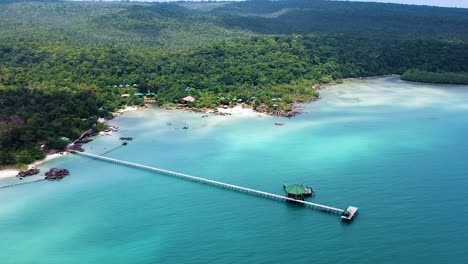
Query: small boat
{"type": "Point", "coordinates": [279, 124]}
{"type": "Point", "coordinates": [309, 191]}
{"type": "Point", "coordinates": [124, 143]}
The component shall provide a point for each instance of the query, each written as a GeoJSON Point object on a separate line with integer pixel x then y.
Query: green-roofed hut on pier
{"type": "Point", "coordinates": [295, 191]}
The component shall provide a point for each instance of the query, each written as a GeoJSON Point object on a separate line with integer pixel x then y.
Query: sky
{"type": "Point", "coordinates": [446, 3]}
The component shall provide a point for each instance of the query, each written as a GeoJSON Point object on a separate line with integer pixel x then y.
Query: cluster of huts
{"type": "Point", "coordinates": [56, 174]}
{"type": "Point", "coordinates": [148, 95]}
{"type": "Point", "coordinates": [51, 175]}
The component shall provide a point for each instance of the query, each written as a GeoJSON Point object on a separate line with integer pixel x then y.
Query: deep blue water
{"type": "Point", "coordinates": [396, 150]}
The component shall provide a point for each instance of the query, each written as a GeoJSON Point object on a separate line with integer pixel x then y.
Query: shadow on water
{"type": "Point", "coordinates": [111, 150]}
{"type": "Point", "coordinates": [35, 181]}
{"type": "Point", "coordinates": [21, 183]}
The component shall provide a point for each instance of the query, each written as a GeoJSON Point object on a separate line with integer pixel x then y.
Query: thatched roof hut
{"type": "Point", "coordinates": [188, 99]}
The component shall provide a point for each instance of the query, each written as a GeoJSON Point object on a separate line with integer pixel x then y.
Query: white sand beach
{"type": "Point", "coordinates": [127, 109]}
{"type": "Point", "coordinates": [239, 110]}
{"type": "Point", "coordinates": [7, 173]}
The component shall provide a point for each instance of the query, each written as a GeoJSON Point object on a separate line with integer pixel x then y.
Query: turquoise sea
{"type": "Point", "coordinates": [396, 150]}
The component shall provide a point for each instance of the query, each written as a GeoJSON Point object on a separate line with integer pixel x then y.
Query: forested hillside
{"type": "Point", "coordinates": [366, 19]}
{"type": "Point", "coordinates": [89, 53]}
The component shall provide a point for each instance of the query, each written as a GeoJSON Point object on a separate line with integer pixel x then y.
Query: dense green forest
{"type": "Point", "coordinates": [64, 64]}
{"type": "Point", "coordinates": [415, 75]}
{"type": "Point", "coordinates": [366, 19]}
{"type": "Point", "coordinates": [31, 117]}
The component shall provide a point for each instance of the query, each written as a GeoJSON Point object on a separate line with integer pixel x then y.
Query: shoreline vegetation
{"type": "Point", "coordinates": [56, 84]}
{"type": "Point", "coordinates": [13, 172]}
{"type": "Point", "coordinates": [415, 75]}
{"type": "Point", "coordinates": [237, 109]}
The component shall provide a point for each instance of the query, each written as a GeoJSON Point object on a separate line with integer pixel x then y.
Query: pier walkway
{"type": "Point", "coordinates": [241, 189]}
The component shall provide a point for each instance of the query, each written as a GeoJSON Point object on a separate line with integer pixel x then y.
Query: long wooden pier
{"type": "Point", "coordinates": [237, 188]}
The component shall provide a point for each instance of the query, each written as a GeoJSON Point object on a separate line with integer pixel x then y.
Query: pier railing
{"type": "Point", "coordinates": [237, 188]}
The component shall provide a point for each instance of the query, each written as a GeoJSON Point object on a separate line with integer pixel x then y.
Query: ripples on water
{"type": "Point", "coordinates": [396, 150]}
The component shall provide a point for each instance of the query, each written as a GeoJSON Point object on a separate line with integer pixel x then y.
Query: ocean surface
{"type": "Point", "coordinates": [396, 150]}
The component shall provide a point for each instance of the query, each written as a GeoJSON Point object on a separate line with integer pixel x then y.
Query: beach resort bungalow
{"type": "Point", "coordinates": [187, 99]}
{"type": "Point", "coordinates": [140, 95]}
{"type": "Point", "coordinates": [125, 95]}
{"type": "Point", "coordinates": [150, 95]}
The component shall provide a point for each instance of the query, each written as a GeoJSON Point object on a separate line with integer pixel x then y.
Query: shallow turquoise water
{"type": "Point", "coordinates": [394, 149]}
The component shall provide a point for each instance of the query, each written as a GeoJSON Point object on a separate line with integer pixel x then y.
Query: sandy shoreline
{"type": "Point", "coordinates": [8, 173]}
{"type": "Point", "coordinates": [239, 110]}
{"type": "Point", "coordinates": [127, 109]}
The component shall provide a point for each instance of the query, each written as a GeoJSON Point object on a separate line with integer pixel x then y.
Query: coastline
{"type": "Point", "coordinates": [297, 107]}
{"type": "Point", "coordinates": [126, 109]}
{"type": "Point", "coordinates": [237, 110]}
{"type": "Point", "coordinates": [11, 172]}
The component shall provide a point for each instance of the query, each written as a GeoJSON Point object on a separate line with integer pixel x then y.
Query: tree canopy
{"type": "Point", "coordinates": [64, 64]}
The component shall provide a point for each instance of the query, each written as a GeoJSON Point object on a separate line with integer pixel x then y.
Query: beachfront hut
{"type": "Point", "coordinates": [125, 95]}
{"type": "Point", "coordinates": [187, 99]}
{"type": "Point", "coordinates": [296, 191]}
{"type": "Point", "coordinates": [140, 95]}
{"type": "Point", "coordinates": [275, 106]}
{"type": "Point", "coordinates": [150, 95]}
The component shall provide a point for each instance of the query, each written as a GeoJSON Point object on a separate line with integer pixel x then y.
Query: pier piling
{"type": "Point", "coordinates": [228, 186]}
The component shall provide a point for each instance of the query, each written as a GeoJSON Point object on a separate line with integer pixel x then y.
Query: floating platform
{"type": "Point", "coordinates": [349, 214]}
